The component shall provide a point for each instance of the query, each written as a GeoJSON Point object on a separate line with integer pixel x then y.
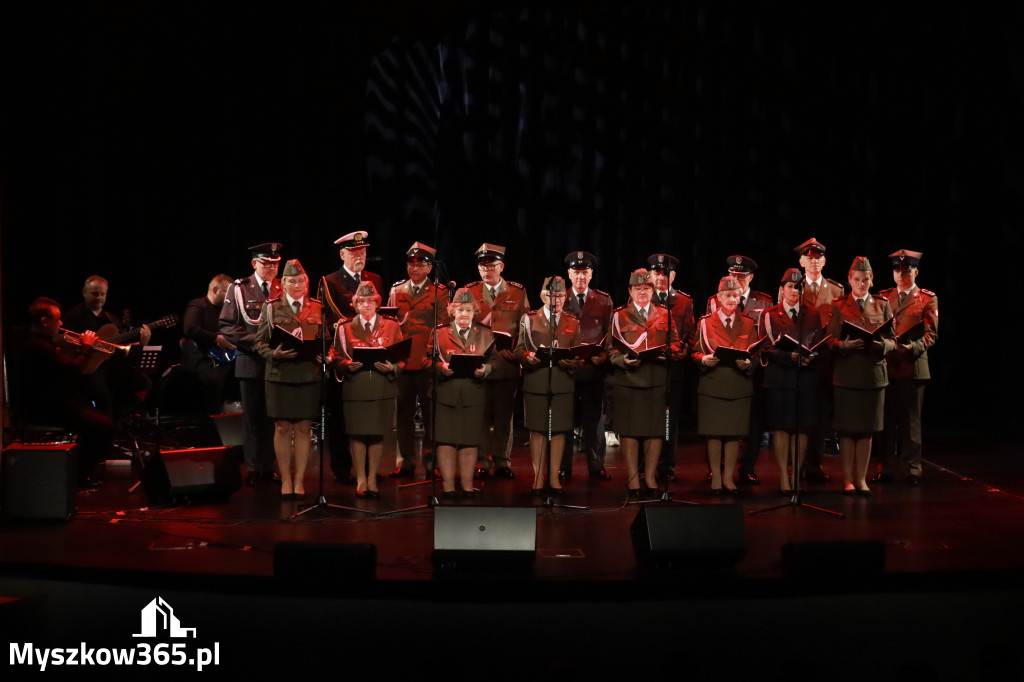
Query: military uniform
{"type": "Point", "coordinates": [908, 372]}
{"type": "Point", "coordinates": [859, 376]}
{"type": "Point", "coordinates": [820, 298]}
{"type": "Point", "coordinates": [240, 317]}
{"type": "Point", "coordinates": [594, 318]}
{"type": "Point", "coordinates": [535, 331]}
{"type": "Point", "coordinates": [292, 385]}
{"type": "Point", "coordinates": [639, 404]}
{"type": "Point", "coordinates": [782, 378]}
{"type": "Point", "coordinates": [416, 316]}
{"type": "Point", "coordinates": [461, 403]}
{"type": "Point", "coordinates": [500, 313]}
{"type": "Point", "coordinates": [751, 306]}
{"type": "Point", "coordinates": [369, 396]}
{"type": "Point", "coordinates": [725, 392]}
{"type": "Point", "coordinates": [339, 287]}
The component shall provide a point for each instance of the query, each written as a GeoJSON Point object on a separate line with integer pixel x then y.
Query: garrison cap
{"type": "Point", "coordinates": [792, 275]}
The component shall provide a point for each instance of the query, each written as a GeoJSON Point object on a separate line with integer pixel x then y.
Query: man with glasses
{"type": "Point", "coordinates": [239, 319]}
{"type": "Point", "coordinates": [502, 305]}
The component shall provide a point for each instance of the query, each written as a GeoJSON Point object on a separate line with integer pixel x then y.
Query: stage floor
{"type": "Point", "coordinates": [967, 515]}
{"type": "Point", "coordinates": [948, 606]}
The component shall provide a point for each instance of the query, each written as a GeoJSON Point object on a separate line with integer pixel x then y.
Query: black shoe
{"type": "Point", "coordinates": [537, 492]}
{"type": "Point", "coordinates": [633, 494]}
{"type": "Point", "coordinates": [372, 495]}
{"type": "Point", "coordinates": [816, 476]}
{"type": "Point", "coordinates": [748, 478]}
{"type": "Point", "coordinates": [480, 474]}
{"type": "Point", "coordinates": [564, 476]}
{"type": "Point", "coordinates": [913, 480]}
{"type": "Point", "coordinates": [600, 475]}
{"type": "Point", "coordinates": [505, 473]}
{"type": "Point", "coordinates": [864, 492]}
{"type": "Point", "coordinates": [468, 494]}
{"type": "Point", "coordinates": [881, 477]}
{"type": "Point", "coordinates": [667, 476]}
{"type": "Point", "coordinates": [450, 495]}
{"type": "Point", "coordinates": [650, 493]}
{"type": "Point", "coordinates": [554, 492]}
{"type": "Point", "coordinates": [402, 472]}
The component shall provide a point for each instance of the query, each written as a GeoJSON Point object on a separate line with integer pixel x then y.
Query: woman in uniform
{"type": "Point", "coordinates": [860, 374]}
{"type": "Point", "coordinates": [640, 385]}
{"type": "Point", "coordinates": [790, 376]}
{"type": "Point", "coordinates": [459, 401]}
{"type": "Point", "coordinates": [726, 388]}
{"type": "Point", "coordinates": [292, 379]}
{"type": "Point", "coordinates": [536, 332]}
{"type": "Point", "coordinates": [368, 399]}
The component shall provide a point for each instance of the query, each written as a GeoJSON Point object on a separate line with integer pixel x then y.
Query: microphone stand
{"type": "Point", "coordinates": [322, 506]}
{"type": "Point", "coordinates": [794, 502]}
{"type": "Point", "coordinates": [545, 458]}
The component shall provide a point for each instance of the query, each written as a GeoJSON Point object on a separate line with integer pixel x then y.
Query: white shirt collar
{"type": "Point", "coordinates": [723, 317]}
{"type": "Point", "coordinates": [291, 301]}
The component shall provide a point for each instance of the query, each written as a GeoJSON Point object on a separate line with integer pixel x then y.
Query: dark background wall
{"type": "Point", "coordinates": [152, 142]}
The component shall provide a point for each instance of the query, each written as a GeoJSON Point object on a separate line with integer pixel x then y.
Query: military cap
{"type": "Point", "coordinates": [421, 252]}
{"type": "Point", "coordinates": [271, 251]}
{"type": "Point", "coordinates": [293, 268]}
{"type": "Point", "coordinates": [862, 264]}
{"type": "Point", "coordinates": [662, 261]}
{"type": "Point", "coordinates": [741, 264]}
{"type": "Point", "coordinates": [810, 246]}
{"type": "Point", "coordinates": [581, 260]}
{"type": "Point", "coordinates": [353, 240]}
{"type": "Point", "coordinates": [640, 278]}
{"type": "Point", "coordinates": [905, 259]}
{"type": "Point", "coordinates": [490, 252]}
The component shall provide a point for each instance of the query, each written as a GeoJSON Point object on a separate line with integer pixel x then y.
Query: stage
{"type": "Point", "coordinates": [953, 559]}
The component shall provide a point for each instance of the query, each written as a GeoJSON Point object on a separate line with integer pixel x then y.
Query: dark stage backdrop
{"type": "Point", "coordinates": [152, 142]}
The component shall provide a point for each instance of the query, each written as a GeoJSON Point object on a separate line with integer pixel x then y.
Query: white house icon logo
{"type": "Point", "coordinates": [158, 619]}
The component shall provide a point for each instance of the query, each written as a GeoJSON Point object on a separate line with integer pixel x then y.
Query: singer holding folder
{"type": "Point", "coordinates": [726, 387]}
{"type": "Point", "coordinates": [860, 374]}
{"type": "Point", "coordinates": [791, 373]}
{"type": "Point", "coordinates": [368, 400]}
{"type": "Point", "coordinates": [540, 331]}
{"type": "Point", "coordinates": [641, 332]}
{"type": "Point", "coordinates": [460, 395]}
{"type": "Point", "coordinates": [292, 378]}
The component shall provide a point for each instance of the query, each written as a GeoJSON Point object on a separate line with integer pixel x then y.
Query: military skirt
{"type": "Point", "coordinates": [535, 412]}
{"type": "Point", "coordinates": [639, 412]}
{"type": "Point", "coordinates": [858, 410]}
{"type": "Point", "coordinates": [292, 401]}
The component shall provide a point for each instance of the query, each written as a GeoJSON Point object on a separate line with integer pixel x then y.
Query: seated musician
{"type": "Point", "coordinates": [112, 387]}
{"type": "Point", "coordinates": [50, 369]}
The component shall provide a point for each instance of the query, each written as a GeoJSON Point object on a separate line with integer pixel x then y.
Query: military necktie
{"type": "Point", "coordinates": [792, 313]}
{"type": "Point", "coordinates": [297, 306]}
{"type": "Point", "coordinates": [266, 290]}
{"type": "Point", "coordinates": [861, 303]}
{"type": "Point", "coordinates": [743, 302]}
{"type": "Point", "coordinates": [581, 298]}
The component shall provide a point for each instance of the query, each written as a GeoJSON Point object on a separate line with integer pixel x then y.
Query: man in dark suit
{"type": "Point", "coordinates": [908, 368]}
{"type": "Point", "coordinates": [752, 303]}
{"type": "Point", "coordinates": [502, 306]}
{"type": "Point", "coordinates": [680, 306]}
{"type": "Point", "coordinates": [593, 308]}
{"type": "Point", "coordinates": [819, 292]}
{"type": "Point", "coordinates": [338, 289]}
{"type": "Point", "coordinates": [239, 320]}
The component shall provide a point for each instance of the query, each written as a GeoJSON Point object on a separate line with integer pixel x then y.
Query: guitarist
{"type": "Point", "coordinates": [113, 387]}
{"type": "Point", "coordinates": [205, 351]}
